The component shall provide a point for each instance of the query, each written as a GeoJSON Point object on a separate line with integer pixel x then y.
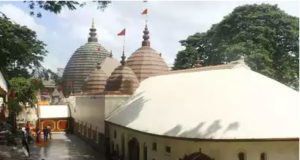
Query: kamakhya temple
{"type": "Point", "coordinates": [139, 109]}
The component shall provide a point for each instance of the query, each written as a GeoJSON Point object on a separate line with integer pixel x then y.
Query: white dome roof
{"type": "Point", "coordinates": [221, 102]}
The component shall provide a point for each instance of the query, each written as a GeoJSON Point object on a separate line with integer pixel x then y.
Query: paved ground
{"type": "Point", "coordinates": [64, 147]}
{"type": "Point", "coordinates": [11, 153]}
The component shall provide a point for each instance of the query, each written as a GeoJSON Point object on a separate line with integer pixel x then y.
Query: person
{"type": "Point", "coordinates": [25, 143]}
{"type": "Point", "coordinates": [45, 131]}
{"type": "Point", "coordinates": [37, 130]}
{"type": "Point", "coordinates": [27, 128]}
{"type": "Point", "coordinates": [49, 131]}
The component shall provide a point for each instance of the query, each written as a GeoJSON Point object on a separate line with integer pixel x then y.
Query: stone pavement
{"type": "Point", "coordinates": [11, 153]}
{"type": "Point", "coordinates": [64, 147]}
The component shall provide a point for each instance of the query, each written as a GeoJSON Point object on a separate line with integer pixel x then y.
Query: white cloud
{"type": "Point", "coordinates": [23, 18]}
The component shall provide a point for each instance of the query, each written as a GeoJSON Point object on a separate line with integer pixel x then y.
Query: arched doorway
{"type": "Point", "coordinates": [197, 156]}
{"type": "Point", "coordinates": [133, 149]}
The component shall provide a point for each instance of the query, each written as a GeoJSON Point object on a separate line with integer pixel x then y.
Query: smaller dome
{"type": "Point", "coordinates": [122, 80]}
{"type": "Point", "coordinates": [96, 81]}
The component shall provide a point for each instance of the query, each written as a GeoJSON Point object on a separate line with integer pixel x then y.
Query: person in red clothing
{"type": "Point", "coordinates": [27, 128]}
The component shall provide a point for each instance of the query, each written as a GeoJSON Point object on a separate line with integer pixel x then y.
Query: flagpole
{"type": "Point", "coordinates": [124, 44]}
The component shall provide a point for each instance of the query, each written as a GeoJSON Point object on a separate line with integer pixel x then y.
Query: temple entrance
{"type": "Point", "coordinates": [197, 156]}
{"type": "Point", "coordinates": [133, 149]}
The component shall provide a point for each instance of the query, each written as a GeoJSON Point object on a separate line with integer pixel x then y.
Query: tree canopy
{"type": "Point", "coordinates": [57, 6]}
{"type": "Point", "coordinates": [265, 35]}
{"type": "Point", "coordinates": [23, 91]}
{"type": "Point", "coordinates": [20, 50]}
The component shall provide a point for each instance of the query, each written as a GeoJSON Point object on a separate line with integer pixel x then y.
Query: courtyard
{"type": "Point", "coordinates": [64, 146]}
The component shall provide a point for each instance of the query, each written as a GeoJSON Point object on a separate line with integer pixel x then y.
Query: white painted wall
{"type": "Point", "coordinates": [218, 150]}
{"type": "Point", "coordinates": [92, 109]}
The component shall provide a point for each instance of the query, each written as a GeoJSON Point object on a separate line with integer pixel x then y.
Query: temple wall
{"type": "Point", "coordinates": [218, 150]}
{"type": "Point", "coordinates": [89, 112]}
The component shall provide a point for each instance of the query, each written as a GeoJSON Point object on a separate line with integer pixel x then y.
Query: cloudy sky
{"type": "Point", "coordinates": [168, 22]}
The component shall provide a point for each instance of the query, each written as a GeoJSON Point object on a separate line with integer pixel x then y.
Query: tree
{"type": "Point", "coordinates": [265, 35]}
{"type": "Point", "coordinates": [23, 92]}
{"type": "Point", "coordinates": [57, 6]}
{"type": "Point", "coordinates": [20, 50]}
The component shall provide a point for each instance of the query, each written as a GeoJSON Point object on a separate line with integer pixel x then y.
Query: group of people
{"type": "Point", "coordinates": [46, 133]}
{"type": "Point", "coordinates": [26, 138]}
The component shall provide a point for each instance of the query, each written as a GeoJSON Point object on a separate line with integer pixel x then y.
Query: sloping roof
{"type": "Point", "coordinates": [54, 111]}
{"type": "Point", "coordinates": [3, 84]}
{"type": "Point", "coordinates": [231, 102]}
{"type": "Point", "coordinates": [49, 83]}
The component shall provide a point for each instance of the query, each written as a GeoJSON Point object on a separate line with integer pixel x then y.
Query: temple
{"type": "Point", "coordinates": [82, 63]}
{"type": "Point", "coordinates": [139, 109]}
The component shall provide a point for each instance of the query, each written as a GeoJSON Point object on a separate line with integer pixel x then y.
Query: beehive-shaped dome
{"type": "Point", "coordinates": [146, 61]}
{"type": "Point", "coordinates": [82, 63]}
{"type": "Point", "coordinates": [96, 81]}
{"type": "Point", "coordinates": [122, 80]}
{"type": "Point", "coordinates": [109, 65]}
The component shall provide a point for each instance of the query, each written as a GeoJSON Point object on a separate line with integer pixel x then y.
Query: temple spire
{"type": "Point", "coordinates": [93, 33]}
{"type": "Point", "coordinates": [93, 23]}
{"type": "Point", "coordinates": [146, 37]}
{"type": "Point", "coordinates": [123, 57]}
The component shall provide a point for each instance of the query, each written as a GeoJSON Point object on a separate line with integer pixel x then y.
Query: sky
{"type": "Point", "coordinates": [168, 23]}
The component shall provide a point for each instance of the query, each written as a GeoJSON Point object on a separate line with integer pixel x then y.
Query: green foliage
{"type": "Point", "coordinates": [57, 6]}
{"type": "Point", "coordinates": [20, 50]}
{"type": "Point", "coordinates": [25, 92]}
{"type": "Point", "coordinates": [265, 35]}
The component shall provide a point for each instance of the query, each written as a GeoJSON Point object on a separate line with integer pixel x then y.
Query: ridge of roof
{"type": "Point", "coordinates": [231, 65]}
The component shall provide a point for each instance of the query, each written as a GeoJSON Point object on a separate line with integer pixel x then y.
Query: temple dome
{"type": "Point", "coordinates": [146, 61]}
{"type": "Point", "coordinates": [122, 80]}
{"type": "Point", "coordinates": [96, 81]}
{"type": "Point", "coordinates": [82, 63]}
{"type": "Point", "coordinates": [109, 65]}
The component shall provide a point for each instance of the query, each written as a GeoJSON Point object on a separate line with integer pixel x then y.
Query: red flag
{"type": "Point", "coordinates": [98, 49]}
{"type": "Point", "coordinates": [122, 33]}
{"type": "Point", "coordinates": [145, 12]}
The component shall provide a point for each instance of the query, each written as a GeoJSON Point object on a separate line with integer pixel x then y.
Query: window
{"type": "Point", "coordinates": [154, 146]}
{"type": "Point", "coordinates": [263, 156]}
{"type": "Point", "coordinates": [168, 149]}
{"type": "Point", "coordinates": [115, 134]}
{"type": "Point", "coordinates": [241, 156]}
